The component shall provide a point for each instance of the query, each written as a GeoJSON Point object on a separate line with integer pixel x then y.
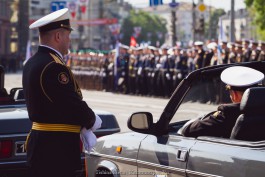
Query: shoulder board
{"type": "Point", "coordinates": [216, 113]}
{"type": "Point", "coordinates": [56, 59]}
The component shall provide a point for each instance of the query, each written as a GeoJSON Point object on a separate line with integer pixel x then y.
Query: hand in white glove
{"type": "Point", "coordinates": [88, 138]}
{"type": "Point", "coordinates": [97, 123]}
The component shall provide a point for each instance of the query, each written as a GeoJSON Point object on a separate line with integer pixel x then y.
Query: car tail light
{"type": "Point", "coordinates": [5, 149]}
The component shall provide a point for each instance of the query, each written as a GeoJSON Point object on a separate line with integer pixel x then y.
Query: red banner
{"type": "Point", "coordinates": [102, 21]}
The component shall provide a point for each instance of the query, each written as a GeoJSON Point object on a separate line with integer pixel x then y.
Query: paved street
{"type": "Point", "coordinates": [122, 106]}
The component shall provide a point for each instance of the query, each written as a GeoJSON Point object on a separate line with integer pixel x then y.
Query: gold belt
{"type": "Point", "coordinates": [56, 127]}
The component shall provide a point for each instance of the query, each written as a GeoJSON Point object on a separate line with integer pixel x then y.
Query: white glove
{"type": "Point", "coordinates": [97, 123]}
{"type": "Point", "coordinates": [88, 138]}
{"type": "Point", "coordinates": [167, 76]}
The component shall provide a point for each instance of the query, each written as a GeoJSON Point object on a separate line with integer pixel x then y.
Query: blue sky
{"type": "Point", "coordinates": [225, 4]}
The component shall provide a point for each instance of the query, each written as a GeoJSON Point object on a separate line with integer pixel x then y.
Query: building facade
{"type": "Point", "coordinates": [244, 29]}
{"type": "Point", "coordinates": [185, 21]}
{"type": "Point", "coordinates": [94, 32]}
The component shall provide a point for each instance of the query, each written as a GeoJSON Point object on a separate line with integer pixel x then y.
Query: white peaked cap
{"type": "Point", "coordinates": [212, 45]}
{"type": "Point", "coordinates": [57, 19]}
{"type": "Point", "coordinates": [240, 76]}
{"type": "Point", "coordinates": [152, 47]}
{"type": "Point", "coordinates": [198, 43]}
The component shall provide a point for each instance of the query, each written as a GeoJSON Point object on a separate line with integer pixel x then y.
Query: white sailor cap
{"type": "Point", "coordinates": [198, 43]}
{"type": "Point", "coordinates": [165, 47]}
{"type": "Point", "coordinates": [241, 77]}
{"type": "Point", "coordinates": [152, 47]}
{"type": "Point", "coordinates": [54, 20]}
{"type": "Point", "coordinates": [212, 45]}
{"type": "Point", "coordinates": [261, 43]}
{"type": "Point", "coordinates": [124, 46]}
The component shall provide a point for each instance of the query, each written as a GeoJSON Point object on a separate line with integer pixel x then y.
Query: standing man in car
{"type": "Point", "coordinates": [221, 122]}
{"type": "Point", "coordinates": [54, 102]}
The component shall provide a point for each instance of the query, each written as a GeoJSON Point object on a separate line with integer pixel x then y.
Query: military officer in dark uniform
{"type": "Point", "coordinates": [262, 51]}
{"type": "Point", "coordinates": [232, 55]}
{"type": "Point", "coordinates": [225, 52]}
{"type": "Point", "coordinates": [54, 102]}
{"type": "Point", "coordinates": [200, 56]}
{"type": "Point", "coordinates": [246, 51]}
{"type": "Point", "coordinates": [239, 53]}
{"type": "Point", "coordinates": [221, 122]}
{"type": "Point", "coordinates": [254, 51]}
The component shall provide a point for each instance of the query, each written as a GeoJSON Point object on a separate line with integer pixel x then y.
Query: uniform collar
{"type": "Point", "coordinates": [57, 53]}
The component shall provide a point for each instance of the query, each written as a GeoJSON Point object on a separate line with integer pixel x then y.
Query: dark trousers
{"type": "Point", "coordinates": [53, 154]}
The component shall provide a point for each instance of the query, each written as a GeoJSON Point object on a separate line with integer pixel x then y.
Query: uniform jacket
{"type": "Point", "coordinates": [51, 92]}
{"type": "Point", "coordinates": [218, 124]}
{"type": "Point", "coordinates": [53, 96]}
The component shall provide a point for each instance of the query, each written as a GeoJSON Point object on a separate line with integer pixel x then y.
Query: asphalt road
{"type": "Point", "coordinates": [122, 106]}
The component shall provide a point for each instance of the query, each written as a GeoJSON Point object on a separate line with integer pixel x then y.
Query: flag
{"type": "Point", "coordinates": [83, 4]}
{"type": "Point", "coordinates": [133, 42]}
{"type": "Point", "coordinates": [28, 53]}
{"type": "Point", "coordinates": [72, 6]}
{"type": "Point", "coordinates": [221, 37]}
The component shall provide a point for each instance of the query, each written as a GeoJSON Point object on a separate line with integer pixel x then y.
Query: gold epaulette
{"type": "Point", "coordinates": [56, 59]}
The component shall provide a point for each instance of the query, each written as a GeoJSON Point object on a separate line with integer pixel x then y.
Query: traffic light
{"type": "Point", "coordinates": [201, 24]}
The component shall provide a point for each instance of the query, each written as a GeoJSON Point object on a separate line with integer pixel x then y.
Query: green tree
{"type": "Point", "coordinates": [211, 28]}
{"type": "Point", "coordinates": [150, 24]}
{"type": "Point", "coordinates": [258, 6]}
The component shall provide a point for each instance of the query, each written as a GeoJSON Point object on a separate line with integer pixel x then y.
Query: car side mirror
{"type": "Point", "coordinates": [141, 122]}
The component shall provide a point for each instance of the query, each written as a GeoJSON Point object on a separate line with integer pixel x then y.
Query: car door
{"type": "Point", "coordinates": [224, 157]}
{"type": "Point", "coordinates": [164, 155]}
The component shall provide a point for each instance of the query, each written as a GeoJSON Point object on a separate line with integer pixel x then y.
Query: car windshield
{"type": "Point", "coordinates": [204, 96]}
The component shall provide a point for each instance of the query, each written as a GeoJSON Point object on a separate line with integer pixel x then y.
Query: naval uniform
{"type": "Point", "coordinates": [218, 124]}
{"type": "Point", "coordinates": [55, 106]}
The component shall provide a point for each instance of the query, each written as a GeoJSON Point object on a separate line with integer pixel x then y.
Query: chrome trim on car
{"type": "Point", "coordinates": [13, 163]}
{"type": "Point", "coordinates": [113, 157]}
{"type": "Point", "coordinates": [139, 162]}
{"type": "Point", "coordinates": [161, 166]}
{"type": "Point", "coordinates": [201, 174]}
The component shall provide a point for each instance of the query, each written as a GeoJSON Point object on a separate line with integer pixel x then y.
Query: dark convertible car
{"type": "Point", "coordinates": [159, 149]}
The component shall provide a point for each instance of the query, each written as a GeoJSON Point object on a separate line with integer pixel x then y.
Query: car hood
{"type": "Point", "coordinates": [128, 141]}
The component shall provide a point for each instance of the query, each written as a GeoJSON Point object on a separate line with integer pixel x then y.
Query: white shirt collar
{"type": "Point", "coordinates": [53, 50]}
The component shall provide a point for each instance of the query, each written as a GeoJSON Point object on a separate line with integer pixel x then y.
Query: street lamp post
{"type": "Point", "coordinates": [80, 29]}
{"type": "Point", "coordinates": [173, 6]}
{"type": "Point", "coordinates": [232, 21]}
